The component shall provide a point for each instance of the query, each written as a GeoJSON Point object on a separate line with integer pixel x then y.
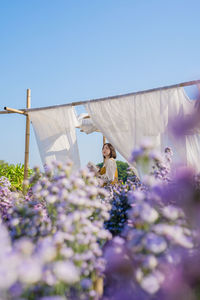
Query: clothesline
{"type": "Point", "coordinates": [119, 121]}
{"type": "Point", "coordinates": [124, 122]}
{"type": "Point", "coordinates": [183, 84]}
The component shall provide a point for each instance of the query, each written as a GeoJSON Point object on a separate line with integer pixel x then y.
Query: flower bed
{"type": "Point", "coordinates": [142, 237]}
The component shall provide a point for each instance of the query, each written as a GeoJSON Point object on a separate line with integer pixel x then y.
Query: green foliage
{"type": "Point", "coordinates": [15, 174]}
{"type": "Point", "coordinates": [122, 170]}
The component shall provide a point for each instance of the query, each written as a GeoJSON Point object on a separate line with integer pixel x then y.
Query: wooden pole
{"type": "Point", "coordinates": [27, 139]}
{"type": "Point", "coordinates": [13, 110]}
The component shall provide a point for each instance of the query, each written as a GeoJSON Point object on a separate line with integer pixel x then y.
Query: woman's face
{"type": "Point", "coordinates": [106, 151]}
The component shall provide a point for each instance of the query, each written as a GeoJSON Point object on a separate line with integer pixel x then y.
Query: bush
{"type": "Point", "coordinates": [53, 238]}
{"type": "Point", "coordinates": [119, 201]}
{"type": "Point", "coordinates": [161, 238]}
{"type": "Point", "coordinates": [14, 173]}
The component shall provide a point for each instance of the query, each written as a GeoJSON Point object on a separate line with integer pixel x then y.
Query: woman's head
{"type": "Point", "coordinates": [108, 151]}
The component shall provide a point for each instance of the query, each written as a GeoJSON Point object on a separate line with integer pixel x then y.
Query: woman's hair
{"type": "Point", "coordinates": [112, 150]}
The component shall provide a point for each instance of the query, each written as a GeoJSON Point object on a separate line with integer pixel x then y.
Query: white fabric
{"type": "Point", "coordinates": [86, 124]}
{"type": "Point", "coordinates": [56, 134]}
{"type": "Point", "coordinates": [127, 120]}
{"type": "Point", "coordinates": [111, 167]}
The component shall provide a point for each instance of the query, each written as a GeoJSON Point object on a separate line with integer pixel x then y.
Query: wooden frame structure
{"type": "Point", "coordinates": [25, 111]}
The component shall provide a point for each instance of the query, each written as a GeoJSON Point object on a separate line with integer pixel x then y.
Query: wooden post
{"type": "Point", "coordinates": [98, 287]}
{"type": "Point", "coordinates": [13, 110]}
{"type": "Point", "coordinates": [27, 139]}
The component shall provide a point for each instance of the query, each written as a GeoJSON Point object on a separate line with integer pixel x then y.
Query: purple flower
{"type": "Point", "coordinates": [155, 243]}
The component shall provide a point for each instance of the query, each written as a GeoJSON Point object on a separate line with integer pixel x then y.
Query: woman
{"type": "Point", "coordinates": [108, 172]}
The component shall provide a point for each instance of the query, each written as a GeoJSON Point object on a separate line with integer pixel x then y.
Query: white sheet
{"type": "Point", "coordinates": [56, 134]}
{"type": "Point", "coordinates": [127, 120]}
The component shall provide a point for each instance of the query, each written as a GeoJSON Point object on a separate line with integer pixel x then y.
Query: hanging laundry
{"type": "Point", "coordinates": [85, 124]}
{"type": "Point", "coordinates": [127, 120]}
{"type": "Point", "coordinates": [55, 131]}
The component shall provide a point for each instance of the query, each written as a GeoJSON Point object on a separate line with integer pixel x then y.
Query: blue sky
{"type": "Point", "coordinates": [76, 50]}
